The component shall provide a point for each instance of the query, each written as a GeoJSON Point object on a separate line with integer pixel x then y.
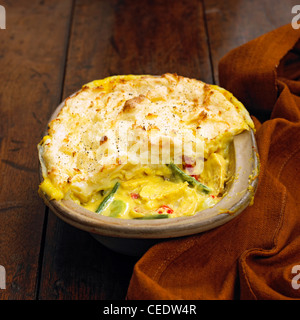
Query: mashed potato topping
{"type": "Point", "coordinates": [143, 146]}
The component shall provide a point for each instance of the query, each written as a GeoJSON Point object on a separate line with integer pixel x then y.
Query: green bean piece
{"type": "Point", "coordinates": [154, 216]}
{"type": "Point", "coordinates": [185, 177]}
{"type": "Point", "coordinates": [117, 207]}
{"type": "Point", "coordinates": [108, 198]}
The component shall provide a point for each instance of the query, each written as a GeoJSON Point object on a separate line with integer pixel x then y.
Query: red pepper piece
{"type": "Point", "coordinates": [165, 208]}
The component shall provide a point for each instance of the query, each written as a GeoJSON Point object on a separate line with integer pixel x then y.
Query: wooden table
{"type": "Point", "coordinates": [47, 51]}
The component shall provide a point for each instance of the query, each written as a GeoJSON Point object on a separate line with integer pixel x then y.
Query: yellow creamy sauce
{"type": "Point", "coordinates": [72, 153]}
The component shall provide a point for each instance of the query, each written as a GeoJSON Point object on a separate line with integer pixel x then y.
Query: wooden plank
{"type": "Point", "coordinates": [32, 43]}
{"type": "Point", "coordinates": [147, 37]}
{"type": "Point", "coordinates": [235, 22]}
{"type": "Point", "coordinates": [117, 37]}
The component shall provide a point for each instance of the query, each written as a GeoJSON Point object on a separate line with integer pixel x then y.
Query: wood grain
{"type": "Point", "coordinates": [32, 43]}
{"type": "Point", "coordinates": [139, 37]}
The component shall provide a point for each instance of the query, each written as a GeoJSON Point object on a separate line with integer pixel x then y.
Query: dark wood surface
{"type": "Point", "coordinates": [47, 51]}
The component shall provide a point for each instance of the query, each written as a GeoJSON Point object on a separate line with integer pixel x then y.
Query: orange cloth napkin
{"type": "Point", "coordinates": [252, 256]}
